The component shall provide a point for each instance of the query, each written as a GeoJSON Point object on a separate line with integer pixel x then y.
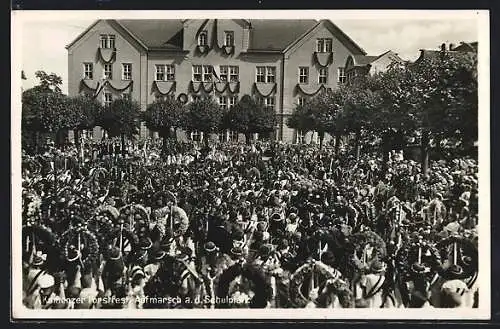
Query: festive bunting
{"type": "Point", "coordinates": [264, 89]}
{"type": "Point", "coordinates": [233, 87]}
{"type": "Point", "coordinates": [196, 87]}
{"type": "Point", "coordinates": [164, 87]}
{"type": "Point", "coordinates": [323, 59]}
{"type": "Point", "coordinates": [107, 55]}
{"type": "Point", "coordinates": [300, 89]}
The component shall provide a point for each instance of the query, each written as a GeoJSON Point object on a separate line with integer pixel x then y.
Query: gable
{"type": "Point", "coordinates": [333, 31]}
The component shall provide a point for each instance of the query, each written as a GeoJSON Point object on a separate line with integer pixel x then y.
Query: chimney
{"type": "Point", "coordinates": [452, 46]}
{"type": "Point", "coordinates": [246, 37]}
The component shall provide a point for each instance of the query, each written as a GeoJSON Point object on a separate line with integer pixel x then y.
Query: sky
{"type": "Point", "coordinates": [44, 40]}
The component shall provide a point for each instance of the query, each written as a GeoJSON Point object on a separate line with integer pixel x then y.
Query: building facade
{"type": "Point", "coordinates": [279, 62]}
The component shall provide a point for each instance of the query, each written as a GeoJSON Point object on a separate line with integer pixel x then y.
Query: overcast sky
{"type": "Point", "coordinates": [43, 42]}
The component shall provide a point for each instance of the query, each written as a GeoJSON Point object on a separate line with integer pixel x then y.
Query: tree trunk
{"type": "Point", "coordinates": [321, 136]}
{"type": "Point", "coordinates": [337, 143]}
{"type": "Point", "coordinates": [76, 137]}
{"type": "Point", "coordinates": [424, 152]}
{"type": "Point", "coordinates": [248, 138]}
{"type": "Point", "coordinates": [356, 144]}
{"type": "Point", "coordinates": [123, 144]}
{"type": "Point", "coordinates": [386, 148]}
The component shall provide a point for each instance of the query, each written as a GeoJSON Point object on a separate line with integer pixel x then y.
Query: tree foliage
{"type": "Point", "coordinates": [163, 115]}
{"type": "Point", "coordinates": [121, 117]}
{"type": "Point", "coordinates": [86, 111]}
{"type": "Point", "coordinates": [48, 82]}
{"type": "Point", "coordinates": [250, 117]}
{"type": "Point", "coordinates": [204, 115]}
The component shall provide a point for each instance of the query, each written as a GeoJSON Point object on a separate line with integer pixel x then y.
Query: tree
{"type": "Point", "coordinates": [435, 96]}
{"type": "Point", "coordinates": [47, 112]}
{"type": "Point", "coordinates": [358, 108]}
{"type": "Point", "coordinates": [121, 118]}
{"type": "Point", "coordinates": [319, 114]}
{"type": "Point", "coordinates": [48, 82]}
{"type": "Point", "coordinates": [204, 115]}
{"type": "Point", "coordinates": [250, 117]}
{"type": "Point", "coordinates": [164, 115]}
{"type": "Point", "coordinates": [87, 110]}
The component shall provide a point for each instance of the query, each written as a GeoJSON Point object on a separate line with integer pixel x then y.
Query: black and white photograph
{"type": "Point", "coordinates": [246, 164]}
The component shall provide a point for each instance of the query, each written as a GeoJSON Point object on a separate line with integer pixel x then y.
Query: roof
{"type": "Point", "coordinates": [156, 33]}
{"type": "Point", "coordinates": [466, 46]}
{"type": "Point", "coordinates": [431, 54]}
{"type": "Point", "coordinates": [362, 60]}
{"type": "Point", "coordinates": [277, 34]}
{"type": "Point", "coordinates": [266, 34]}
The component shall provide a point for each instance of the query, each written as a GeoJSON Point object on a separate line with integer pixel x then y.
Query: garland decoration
{"type": "Point", "coordinates": [130, 240]}
{"type": "Point", "coordinates": [261, 286]}
{"type": "Point", "coordinates": [205, 86]}
{"type": "Point", "coordinates": [164, 87]}
{"type": "Point", "coordinates": [228, 50]}
{"type": "Point", "coordinates": [323, 59]}
{"type": "Point", "coordinates": [468, 249]}
{"type": "Point", "coordinates": [299, 88]}
{"type": "Point", "coordinates": [107, 55]}
{"type": "Point", "coordinates": [298, 278]}
{"type": "Point", "coordinates": [88, 253]}
{"type": "Point", "coordinates": [264, 89]}
{"type": "Point", "coordinates": [407, 256]}
{"type": "Point", "coordinates": [227, 86]}
{"type": "Point", "coordinates": [182, 98]}
{"type": "Point", "coordinates": [359, 241]}
{"type": "Point", "coordinates": [84, 83]}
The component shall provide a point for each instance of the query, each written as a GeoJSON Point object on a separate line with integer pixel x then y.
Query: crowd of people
{"type": "Point", "coordinates": [267, 225]}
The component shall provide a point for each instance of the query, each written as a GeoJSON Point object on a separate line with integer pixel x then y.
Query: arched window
{"type": "Point", "coordinates": [202, 39]}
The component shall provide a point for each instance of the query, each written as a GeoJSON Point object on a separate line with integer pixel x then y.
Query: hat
{"type": "Point", "coordinates": [39, 258]}
{"type": "Point", "coordinates": [137, 271]}
{"type": "Point", "coordinates": [418, 268]}
{"type": "Point", "coordinates": [145, 243]}
{"type": "Point", "coordinates": [238, 235]}
{"type": "Point", "coordinates": [114, 253]}
{"type": "Point", "coordinates": [454, 271]}
{"type": "Point", "coordinates": [46, 281]}
{"type": "Point", "coordinates": [73, 253]}
{"type": "Point", "coordinates": [236, 251]}
{"type": "Point", "coordinates": [210, 246]}
{"type": "Point", "coordinates": [159, 254]}
{"type": "Point", "coordinates": [378, 266]}
{"type": "Point", "coordinates": [261, 226]}
{"type": "Point", "coordinates": [276, 217]}
{"type": "Point", "coordinates": [265, 250]}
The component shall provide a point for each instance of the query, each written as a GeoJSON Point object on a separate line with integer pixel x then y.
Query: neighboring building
{"type": "Point", "coordinates": [359, 65]}
{"type": "Point", "coordinates": [464, 49]}
{"type": "Point", "coordinates": [280, 62]}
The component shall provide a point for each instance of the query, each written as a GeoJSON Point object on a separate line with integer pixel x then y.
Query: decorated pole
{"type": "Point", "coordinates": [419, 254]}
{"type": "Point", "coordinates": [454, 253]}
{"type": "Point", "coordinates": [121, 238]}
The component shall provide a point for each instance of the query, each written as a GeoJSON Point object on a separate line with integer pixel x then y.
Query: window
{"type": "Point", "coordinates": [229, 38]}
{"type": "Point", "coordinates": [232, 101]}
{"type": "Point", "coordinates": [300, 137]}
{"type": "Point", "coordinates": [107, 41]}
{"type": "Point", "coordinates": [271, 74]}
{"type": "Point", "coordinates": [88, 71]}
{"type": "Point", "coordinates": [266, 74]}
{"type": "Point", "coordinates": [223, 102]}
{"type": "Point", "coordinates": [324, 45]}
{"type": "Point", "coordinates": [261, 74]}
{"type": "Point", "coordinates": [323, 75]}
{"type": "Point", "coordinates": [170, 71]}
{"type": "Point", "coordinates": [303, 75]}
{"type": "Point", "coordinates": [207, 73]}
{"type": "Point", "coordinates": [197, 75]}
{"type": "Point", "coordinates": [196, 136]}
{"type": "Point", "coordinates": [108, 98]}
{"type": "Point", "coordinates": [202, 39]}
{"type": "Point", "coordinates": [126, 71]}
{"type": "Point", "coordinates": [108, 71]}
{"type": "Point", "coordinates": [302, 101]}
{"type": "Point", "coordinates": [234, 74]}
{"type": "Point", "coordinates": [341, 75]}
{"type": "Point", "coordinates": [126, 96]}
{"type": "Point", "coordinates": [269, 102]}
{"type": "Point", "coordinates": [224, 71]}
{"type": "Point", "coordinates": [160, 72]}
